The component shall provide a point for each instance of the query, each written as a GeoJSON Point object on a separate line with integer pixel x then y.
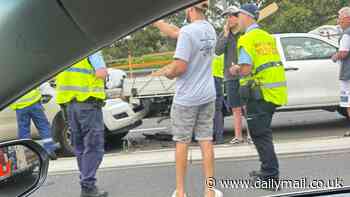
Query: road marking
{"type": "Point", "coordinates": [199, 162]}
{"type": "Point", "coordinates": [300, 148]}
{"type": "Point", "coordinates": [149, 129]}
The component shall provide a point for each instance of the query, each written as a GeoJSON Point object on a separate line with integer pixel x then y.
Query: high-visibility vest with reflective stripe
{"type": "Point", "coordinates": [217, 66]}
{"type": "Point", "coordinates": [27, 100]}
{"type": "Point", "coordinates": [268, 71]}
{"type": "Point", "coordinates": [79, 82]}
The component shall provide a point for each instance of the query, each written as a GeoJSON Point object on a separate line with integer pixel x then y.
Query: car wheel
{"type": "Point", "coordinates": [343, 111]}
{"type": "Point", "coordinates": [62, 134]}
{"type": "Point", "coordinates": [117, 138]}
{"type": "Point", "coordinates": [120, 136]}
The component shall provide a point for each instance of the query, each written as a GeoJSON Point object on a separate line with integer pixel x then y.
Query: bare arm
{"type": "Point", "coordinates": [221, 44]}
{"type": "Point", "coordinates": [245, 69]}
{"type": "Point", "coordinates": [170, 30]}
{"type": "Point", "coordinates": [242, 69]}
{"type": "Point", "coordinates": [175, 69]}
{"type": "Point", "coordinates": [222, 40]}
{"type": "Point", "coordinates": [101, 73]}
{"type": "Point", "coordinates": [341, 55]}
{"type": "Point", "coordinates": [344, 48]}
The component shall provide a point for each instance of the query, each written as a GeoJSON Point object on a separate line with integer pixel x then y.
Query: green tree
{"type": "Point", "coordinates": [293, 16]}
{"type": "Point", "coordinates": [302, 15]}
{"type": "Point", "coordinates": [144, 41]}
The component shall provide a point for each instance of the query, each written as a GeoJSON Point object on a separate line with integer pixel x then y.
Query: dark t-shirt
{"type": "Point", "coordinates": [228, 47]}
{"type": "Point", "coordinates": [345, 63]}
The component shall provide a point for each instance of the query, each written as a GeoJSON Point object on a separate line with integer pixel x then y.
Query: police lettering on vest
{"type": "Point", "coordinates": [80, 83]}
{"type": "Point", "coordinates": [267, 71]}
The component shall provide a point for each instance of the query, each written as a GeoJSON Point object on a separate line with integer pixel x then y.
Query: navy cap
{"type": "Point", "coordinates": [250, 9]}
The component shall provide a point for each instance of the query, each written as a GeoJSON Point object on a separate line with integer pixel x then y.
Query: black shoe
{"type": "Point", "coordinates": [52, 156]}
{"type": "Point", "coordinates": [259, 173]}
{"type": "Point", "coordinates": [255, 173]}
{"type": "Point", "coordinates": [94, 192]}
{"type": "Point", "coordinates": [269, 184]}
{"type": "Point", "coordinates": [219, 142]}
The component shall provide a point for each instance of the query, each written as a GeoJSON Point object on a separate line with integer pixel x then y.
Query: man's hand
{"type": "Point", "coordinates": [235, 69]}
{"type": "Point", "coordinates": [172, 70]}
{"type": "Point", "coordinates": [340, 55]}
{"type": "Point", "coordinates": [157, 73]}
{"type": "Point", "coordinates": [169, 30]}
{"type": "Point", "coordinates": [226, 29]}
{"type": "Point", "coordinates": [335, 57]}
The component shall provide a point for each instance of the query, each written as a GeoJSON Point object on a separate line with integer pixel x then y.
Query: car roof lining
{"type": "Point", "coordinates": [50, 41]}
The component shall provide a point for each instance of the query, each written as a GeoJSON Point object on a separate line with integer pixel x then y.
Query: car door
{"type": "Point", "coordinates": [311, 74]}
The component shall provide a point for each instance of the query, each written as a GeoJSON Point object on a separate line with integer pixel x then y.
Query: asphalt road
{"type": "Point", "coordinates": [287, 126]}
{"type": "Point", "coordinates": [159, 180]}
{"type": "Point", "coordinates": [16, 186]}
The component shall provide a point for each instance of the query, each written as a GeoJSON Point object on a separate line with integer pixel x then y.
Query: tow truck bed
{"type": "Point", "coordinates": [148, 87]}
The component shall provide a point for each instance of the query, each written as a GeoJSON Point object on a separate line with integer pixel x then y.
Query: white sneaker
{"type": "Point", "coordinates": [217, 193]}
{"type": "Point", "coordinates": [236, 141]}
{"type": "Point", "coordinates": [174, 194]}
{"type": "Point", "coordinates": [250, 140]}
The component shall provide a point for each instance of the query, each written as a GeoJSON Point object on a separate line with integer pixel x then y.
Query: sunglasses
{"type": "Point", "coordinates": [235, 14]}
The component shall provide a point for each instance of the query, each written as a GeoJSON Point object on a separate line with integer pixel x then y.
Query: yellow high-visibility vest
{"type": "Point", "coordinates": [27, 100]}
{"type": "Point", "coordinates": [218, 66]}
{"type": "Point", "coordinates": [268, 71]}
{"type": "Point", "coordinates": [79, 82]}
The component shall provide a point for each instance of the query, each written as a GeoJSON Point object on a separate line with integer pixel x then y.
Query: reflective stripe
{"type": "Point", "coordinates": [80, 70]}
{"type": "Point", "coordinates": [275, 85]}
{"type": "Point", "coordinates": [24, 100]}
{"type": "Point", "coordinates": [47, 140]}
{"type": "Point", "coordinates": [80, 89]}
{"type": "Point", "coordinates": [268, 65]}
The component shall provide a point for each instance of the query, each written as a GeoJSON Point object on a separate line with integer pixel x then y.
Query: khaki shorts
{"type": "Point", "coordinates": [194, 120]}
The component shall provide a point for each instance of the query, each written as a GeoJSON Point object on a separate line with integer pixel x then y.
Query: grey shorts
{"type": "Point", "coordinates": [194, 120]}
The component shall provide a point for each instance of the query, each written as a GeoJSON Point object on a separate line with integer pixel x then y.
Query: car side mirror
{"type": "Point", "coordinates": [23, 167]}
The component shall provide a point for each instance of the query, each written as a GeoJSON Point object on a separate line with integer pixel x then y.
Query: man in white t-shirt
{"type": "Point", "coordinates": [193, 106]}
{"type": "Point", "coordinates": [343, 57]}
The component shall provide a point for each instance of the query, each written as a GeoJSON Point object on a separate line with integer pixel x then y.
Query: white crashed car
{"type": "Point", "coordinates": [119, 116]}
{"type": "Point", "coordinates": [331, 32]}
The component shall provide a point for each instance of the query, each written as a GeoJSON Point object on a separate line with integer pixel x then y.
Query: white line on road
{"type": "Point", "coordinates": [222, 152]}
{"type": "Point", "coordinates": [149, 129]}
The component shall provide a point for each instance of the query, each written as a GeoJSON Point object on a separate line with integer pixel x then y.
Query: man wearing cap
{"type": "Point", "coordinates": [226, 45]}
{"type": "Point", "coordinates": [263, 88]}
{"type": "Point", "coordinates": [193, 106]}
{"type": "Point", "coordinates": [172, 31]}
